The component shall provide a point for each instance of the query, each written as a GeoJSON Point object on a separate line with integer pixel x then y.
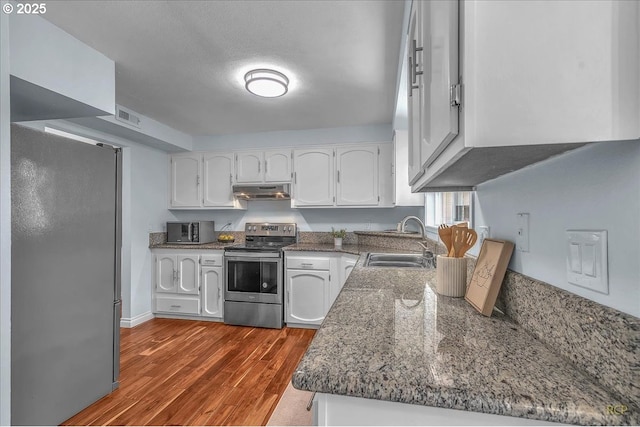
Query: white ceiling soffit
{"type": "Point", "coordinates": [183, 62]}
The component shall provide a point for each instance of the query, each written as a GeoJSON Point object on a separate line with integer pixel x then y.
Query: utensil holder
{"type": "Point", "coordinates": [451, 276]}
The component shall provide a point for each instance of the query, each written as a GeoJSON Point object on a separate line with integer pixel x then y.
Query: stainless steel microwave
{"type": "Point", "coordinates": [190, 233]}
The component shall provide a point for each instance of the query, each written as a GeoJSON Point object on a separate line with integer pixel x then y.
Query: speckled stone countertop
{"type": "Point", "coordinates": [349, 249]}
{"type": "Point", "coordinates": [389, 336]}
{"type": "Point", "coordinates": [212, 245]}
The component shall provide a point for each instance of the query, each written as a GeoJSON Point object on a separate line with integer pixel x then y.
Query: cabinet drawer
{"type": "Point", "coordinates": [178, 305]}
{"type": "Point", "coordinates": [308, 263]}
{"type": "Point", "coordinates": [211, 260]}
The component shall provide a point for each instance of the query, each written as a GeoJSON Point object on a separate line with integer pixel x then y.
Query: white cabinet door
{"type": "Point", "coordinates": [439, 115]}
{"type": "Point", "coordinates": [218, 169]}
{"type": "Point", "coordinates": [277, 166]}
{"type": "Point", "coordinates": [414, 96]}
{"type": "Point", "coordinates": [185, 180]}
{"type": "Point", "coordinates": [357, 176]}
{"type": "Point", "coordinates": [307, 296]}
{"type": "Point", "coordinates": [188, 274]}
{"type": "Point", "coordinates": [165, 273]}
{"type": "Point", "coordinates": [212, 281]}
{"type": "Point", "coordinates": [346, 264]}
{"type": "Point", "coordinates": [313, 177]}
{"type": "Point", "coordinates": [249, 167]}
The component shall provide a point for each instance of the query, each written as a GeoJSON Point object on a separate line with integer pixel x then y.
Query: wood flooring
{"type": "Point", "coordinates": [181, 372]}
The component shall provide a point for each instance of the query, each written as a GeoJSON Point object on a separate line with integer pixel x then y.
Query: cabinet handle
{"type": "Point", "coordinates": [414, 69]}
{"type": "Point", "coordinates": [176, 306]}
{"type": "Point", "coordinates": [259, 166]}
{"type": "Point", "coordinates": [230, 178]}
{"type": "Point", "coordinates": [265, 167]}
{"type": "Point", "coordinates": [295, 177]}
{"type": "Point", "coordinates": [197, 179]}
{"type": "Point", "coordinates": [338, 176]}
{"type": "Point", "coordinates": [306, 265]}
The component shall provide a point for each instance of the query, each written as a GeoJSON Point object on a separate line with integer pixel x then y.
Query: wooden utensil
{"type": "Point", "coordinates": [444, 231]}
{"type": "Point", "coordinates": [469, 241]}
{"type": "Point", "coordinates": [457, 240]}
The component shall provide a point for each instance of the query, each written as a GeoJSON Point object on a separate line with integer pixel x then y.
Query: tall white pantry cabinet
{"type": "Point", "coordinates": [496, 85]}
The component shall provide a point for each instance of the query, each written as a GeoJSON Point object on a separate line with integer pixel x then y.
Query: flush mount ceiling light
{"type": "Point", "coordinates": [266, 83]}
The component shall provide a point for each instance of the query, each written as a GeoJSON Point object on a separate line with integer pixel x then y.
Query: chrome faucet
{"type": "Point", "coordinates": [403, 224]}
{"type": "Point", "coordinates": [426, 253]}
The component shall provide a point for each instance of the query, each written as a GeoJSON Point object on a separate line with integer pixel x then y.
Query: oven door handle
{"type": "Point", "coordinates": [237, 256]}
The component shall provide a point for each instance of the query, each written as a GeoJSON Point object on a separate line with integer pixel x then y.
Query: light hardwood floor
{"type": "Point", "coordinates": [179, 372]}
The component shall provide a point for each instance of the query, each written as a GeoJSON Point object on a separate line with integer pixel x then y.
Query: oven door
{"type": "Point", "coordinates": [253, 277]}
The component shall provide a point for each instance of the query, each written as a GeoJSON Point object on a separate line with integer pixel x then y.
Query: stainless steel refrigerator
{"type": "Point", "coordinates": [65, 275]}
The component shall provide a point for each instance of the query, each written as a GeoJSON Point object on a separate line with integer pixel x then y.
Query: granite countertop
{"type": "Point", "coordinates": [349, 249]}
{"type": "Point", "coordinates": [389, 336]}
{"type": "Point", "coordinates": [212, 245]}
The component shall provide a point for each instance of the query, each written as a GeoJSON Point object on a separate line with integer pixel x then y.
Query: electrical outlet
{"type": "Point", "coordinates": [485, 233]}
{"type": "Point", "coordinates": [367, 225]}
{"type": "Point", "coordinates": [522, 235]}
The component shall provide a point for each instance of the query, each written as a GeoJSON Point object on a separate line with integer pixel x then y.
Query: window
{"type": "Point", "coordinates": [447, 208]}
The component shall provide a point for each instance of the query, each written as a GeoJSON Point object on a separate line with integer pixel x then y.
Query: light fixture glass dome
{"type": "Point", "coordinates": [266, 83]}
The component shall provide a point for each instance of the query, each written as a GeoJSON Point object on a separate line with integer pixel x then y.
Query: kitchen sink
{"type": "Point", "coordinates": [397, 260]}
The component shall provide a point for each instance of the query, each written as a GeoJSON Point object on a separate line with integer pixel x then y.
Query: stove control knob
{"type": "Point", "coordinates": [265, 285]}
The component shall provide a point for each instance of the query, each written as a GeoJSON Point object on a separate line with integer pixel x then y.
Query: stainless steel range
{"type": "Point", "coordinates": [254, 280]}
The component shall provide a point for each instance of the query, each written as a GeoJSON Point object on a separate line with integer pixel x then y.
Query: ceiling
{"type": "Point", "coordinates": [182, 62]}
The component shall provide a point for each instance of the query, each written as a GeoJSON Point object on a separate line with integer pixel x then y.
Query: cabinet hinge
{"type": "Point", "coordinates": [378, 199]}
{"type": "Point", "coordinates": [455, 95]}
{"type": "Point", "coordinates": [329, 277]}
{"type": "Point", "coordinates": [378, 150]}
{"type": "Point", "coordinates": [334, 153]}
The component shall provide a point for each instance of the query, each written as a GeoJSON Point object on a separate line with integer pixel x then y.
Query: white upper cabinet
{"type": "Point", "coordinates": [218, 170]}
{"type": "Point", "coordinates": [255, 167]}
{"type": "Point", "coordinates": [202, 181]}
{"type": "Point", "coordinates": [439, 80]}
{"type": "Point", "coordinates": [346, 176]}
{"type": "Point", "coordinates": [537, 78]}
{"type": "Point", "coordinates": [249, 166]}
{"type": "Point", "coordinates": [357, 176]}
{"type": "Point", "coordinates": [277, 166]}
{"type": "Point", "coordinates": [313, 177]}
{"type": "Point", "coordinates": [185, 180]}
{"type": "Point", "coordinates": [414, 95]}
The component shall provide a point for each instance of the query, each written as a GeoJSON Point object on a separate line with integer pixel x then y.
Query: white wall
{"type": "Point", "coordinates": [596, 187]}
{"type": "Point", "coordinates": [291, 138]}
{"type": "Point", "coordinates": [5, 226]}
{"type": "Point", "coordinates": [147, 199]}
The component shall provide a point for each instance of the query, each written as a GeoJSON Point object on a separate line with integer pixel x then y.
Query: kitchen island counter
{"type": "Point", "coordinates": [390, 337]}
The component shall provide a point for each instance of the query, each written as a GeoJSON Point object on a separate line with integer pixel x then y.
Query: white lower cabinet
{"type": "Point", "coordinates": [337, 410]}
{"type": "Point", "coordinates": [212, 283]}
{"type": "Point", "coordinates": [313, 280]}
{"type": "Point", "coordinates": [188, 282]}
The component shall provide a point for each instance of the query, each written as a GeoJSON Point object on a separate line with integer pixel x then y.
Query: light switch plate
{"type": "Point", "coordinates": [587, 263]}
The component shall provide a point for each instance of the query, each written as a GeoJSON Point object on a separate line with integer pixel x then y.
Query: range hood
{"type": "Point", "coordinates": [262, 191]}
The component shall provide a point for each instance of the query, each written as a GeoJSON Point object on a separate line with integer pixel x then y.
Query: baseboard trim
{"type": "Point", "coordinates": [126, 322]}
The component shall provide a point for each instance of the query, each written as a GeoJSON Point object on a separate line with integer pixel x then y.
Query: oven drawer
{"type": "Point", "coordinates": [168, 304]}
{"type": "Point", "coordinates": [308, 263]}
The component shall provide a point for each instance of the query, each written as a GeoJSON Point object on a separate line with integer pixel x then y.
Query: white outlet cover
{"type": "Point", "coordinates": [586, 259]}
{"type": "Point", "coordinates": [522, 233]}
